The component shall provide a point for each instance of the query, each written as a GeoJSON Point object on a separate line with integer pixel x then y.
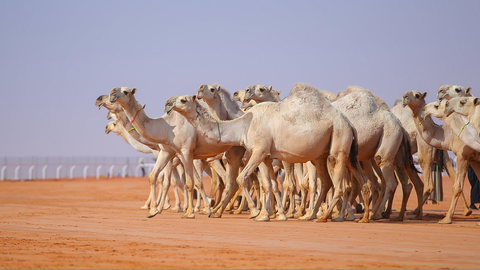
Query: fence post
{"type": "Point", "coordinates": [59, 168]}
{"type": "Point", "coordinates": [44, 172]}
{"type": "Point", "coordinates": [111, 170]}
{"type": "Point", "coordinates": [30, 172]}
{"type": "Point", "coordinates": [17, 173]}
{"type": "Point", "coordinates": [85, 171]}
{"type": "Point", "coordinates": [98, 171]}
{"type": "Point", "coordinates": [4, 169]}
{"type": "Point", "coordinates": [124, 171]}
{"type": "Point", "coordinates": [71, 171]}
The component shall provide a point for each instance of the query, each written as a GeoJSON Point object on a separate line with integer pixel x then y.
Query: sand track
{"type": "Point", "coordinates": [98, 224]}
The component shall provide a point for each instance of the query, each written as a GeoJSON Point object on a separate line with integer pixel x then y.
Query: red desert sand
{"type": "Point", "coordinates": [99, 224]}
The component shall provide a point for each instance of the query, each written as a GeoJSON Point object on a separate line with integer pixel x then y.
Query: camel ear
{"type": "Point", "coordinates": [468, 90]}
{"type": "Point", "coordinates": [134, 90]}
{"type": "Point", "coordinates": [476, 101]}
{"type": "Point", "coordinates": [270, 88]}
{"type": "Point", "coordinates": [424, 95]}
{"type": "Point", "coordinates": [194, 98]}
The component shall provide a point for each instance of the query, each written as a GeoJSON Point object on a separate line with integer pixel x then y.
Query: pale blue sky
{"type": "Point", "coordinates": [57, 57]}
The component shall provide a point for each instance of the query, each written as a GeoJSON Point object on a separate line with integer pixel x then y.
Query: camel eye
{"type": "Point", "coordinates": [436, 106]}
{"type": "Point", "coordinates": [262, 89]}
{"type": "Point", "coordinates": [125, 93]}
{"type": "Point", "coordinates": [417, 96]}
{"type": "Point", "coordinates": [463, 102]}
{"type": "Point", "coordinates": [457, 90]}
{"type": "Point", "coordinates": [212, 90]}
{"type": "Point", "coordinates": [183, 100]}
{"type": "Point", "coordinates": [235, 94]}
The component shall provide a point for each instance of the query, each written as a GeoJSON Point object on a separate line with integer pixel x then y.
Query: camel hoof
{"type": "Point", "coordinates": [306, 217]}
{"type": "Point", "coordinates": [376, 217]}
{"type": "Point", "coordinates": [338, 219]}
{"type": "Point", "coordinates": [467, 212]}
{"type": "Point", "coordinates": [350, 218]}
{"type": "Point", "coordinates": [445, 220]}
{"type": "Point", "coordinates": [298, 214]}
{"type": "Point", "coordinates": [238, 211]}
{"type": "Point", "coordinates": [281, 217]}
{"type": "Point", "coordinates": [196, 210]}
{"type": "Point", "coordinates": [146, 207]}
{"type": "Point", "coordinates": [272, 216]}
{"type": "Point", "coordinates": [364, 220]}
{"type": "Point", "coordinates": [397, 219]}
{"type": "Point", "coordinates": [188, 215]}
{"type": "Point", "coordinates": [414, 212]}
{"type": "Point", "coordinates": [320, 220]}
{"type": "Point", "coordinates": [151, 214]}
{"type": "Point", "coordinates": [166, 206]}
{"type": "Point", "coordinates": [263, 216]}
{"type": "Point", "coordinates": [289, 215]}
{"type": "Point", "coordinates": [217, 214]}
{"type": "Point", "coordinates": [254, 213]}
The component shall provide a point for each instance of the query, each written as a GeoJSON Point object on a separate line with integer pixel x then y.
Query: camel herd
{"type": "Point", "coordinates": [329, 153]}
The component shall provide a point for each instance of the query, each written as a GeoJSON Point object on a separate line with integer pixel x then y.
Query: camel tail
{"type": "Point", "coordinates": [408, 152]}
{"type": "Point", "coordinates": [353, 157]}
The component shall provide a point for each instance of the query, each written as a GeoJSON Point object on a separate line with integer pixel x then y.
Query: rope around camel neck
{"type": "Point", "coordinates": [219, 135]}
{"type": "Point", "coordinates": [463, 128]}
{"type": "Point", "coordinates": [418, 124]}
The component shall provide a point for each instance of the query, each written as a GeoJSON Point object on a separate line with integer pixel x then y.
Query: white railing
{"type": "Point", "coordinates": [31, 168]}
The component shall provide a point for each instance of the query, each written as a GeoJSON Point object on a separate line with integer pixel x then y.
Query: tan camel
{"type": "Point", "coordinates": [294, 130]}
{"type": "Point", "coordinates": [223, 108]}
{"type": "Point", "coordinates": [425, 152]}
{"type": "Point", "coordinates": [122, 120]}
{"type": "Point", "coordinates": [437, 109]}
{"type": "Point", "coordinates": [380, 140]}
{"type": "Point", "coordinates": [444, 138]}
{"type": "Point", "coordinates": [449, 91]}
{"type": "Point", "coordinates": [179, 138]}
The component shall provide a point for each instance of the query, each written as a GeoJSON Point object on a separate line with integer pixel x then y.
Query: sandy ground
{"type": "Point", "coordinates": [99, 224]}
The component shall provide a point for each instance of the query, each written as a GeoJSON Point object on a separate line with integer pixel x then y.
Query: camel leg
{"type": "Point", "coordinates": [146, 206]}
{"type": "Point", "coordinates": [462, 166]}
{"type": "Point", "coordinates": [406, 190]}
{"type": "Point", "coordinates": [390, 185]}
{"type": "Point", "coordinates": [281, 212]}
{"type": "Point", "coordinates": [234, 161]}
{"type": "Point", "coordinates": [289, 188]}
{"type": "Point", "coordinates": [426, 156]}
{"type": "Point", "coordinates": [241, 206]}
{"type": "Point", "coordinates": [198, 170]}
{"type": "Point", "coordinates": [162, 160]}
{"type": "Point", "coordinates": [338, 162]}
{"type": "Point", "coordinates": [174, 182]}
{"type": "Point", "coordinates": [452, 175]}
{"type": "Point", "coordinates": [304, 180]}
{"type": "Point", "coordinates": [231, 204]}
{"type": "Point", "coordinates": [255, 159]}
{"type": "Point", "coordinates": [321, 172]}
{"type": "Point", "coordinates": [187, 160]}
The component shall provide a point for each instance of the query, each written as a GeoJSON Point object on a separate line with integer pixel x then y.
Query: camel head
{"type": "Point", "coordinates": [208, 92]}
{"type": "Point", "coordinates": [122, 95]}
{"type": "Point", "coordinates": [180, 104]}
{"type": "Point", "coordinates": [413, 99]}
{"type": "Point", "coordinates": [239, 95]}
{"type": "Point", "coordinates": [260, 93]}
{"type": "Point", "coordinates": [462, 105]}
{"type": "Point", "coordinates": [111, 115]}
{"type": "Point", "coordinates": [110, 127]}
{"type": "Point", "coordinates": [104, 101]}
{"type": "Point", "coordinates": [435, 109]}
{"type": "Point", "coordinates": [450, 91]}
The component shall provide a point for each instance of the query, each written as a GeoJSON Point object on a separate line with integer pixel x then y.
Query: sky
{"type": "Point", "coordinates": [57, 57]}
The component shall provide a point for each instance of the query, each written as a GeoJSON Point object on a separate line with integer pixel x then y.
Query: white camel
{"type": "Point", "coordinates": [380, 137]}
{"type": "Point", "coordinates": [442, 137]}
{"type": "Point", "coordinates": [302, 127]}
{"type": "Point", "coordinates": [179, 138]}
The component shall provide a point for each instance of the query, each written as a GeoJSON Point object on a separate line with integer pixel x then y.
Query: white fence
{"type": "Point", "coordinates": [30, 168]}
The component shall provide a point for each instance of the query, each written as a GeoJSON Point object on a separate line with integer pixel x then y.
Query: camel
{"type": "Point", "coordinates": [123, 133]}
{"type": "Point", "coordinates": [426, 153]}
{"type": "Point", "coordinates": [450, 91]}
{"type": "Point", "coordinates": [223, 108]}
{"type": "Point", "coordinates": [179, 138]}
{"type": "Point", "coordinates": [116, 111]}
{"type": "Point", "coordinates": [295, 129]}
{"type": "Point", "coordinates": [380, 140]}
{"type": "Point", "coordinates": [442, 137]}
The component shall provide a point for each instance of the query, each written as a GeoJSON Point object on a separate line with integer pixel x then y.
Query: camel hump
{"type": "Point", "coordinates": [305, 94]}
